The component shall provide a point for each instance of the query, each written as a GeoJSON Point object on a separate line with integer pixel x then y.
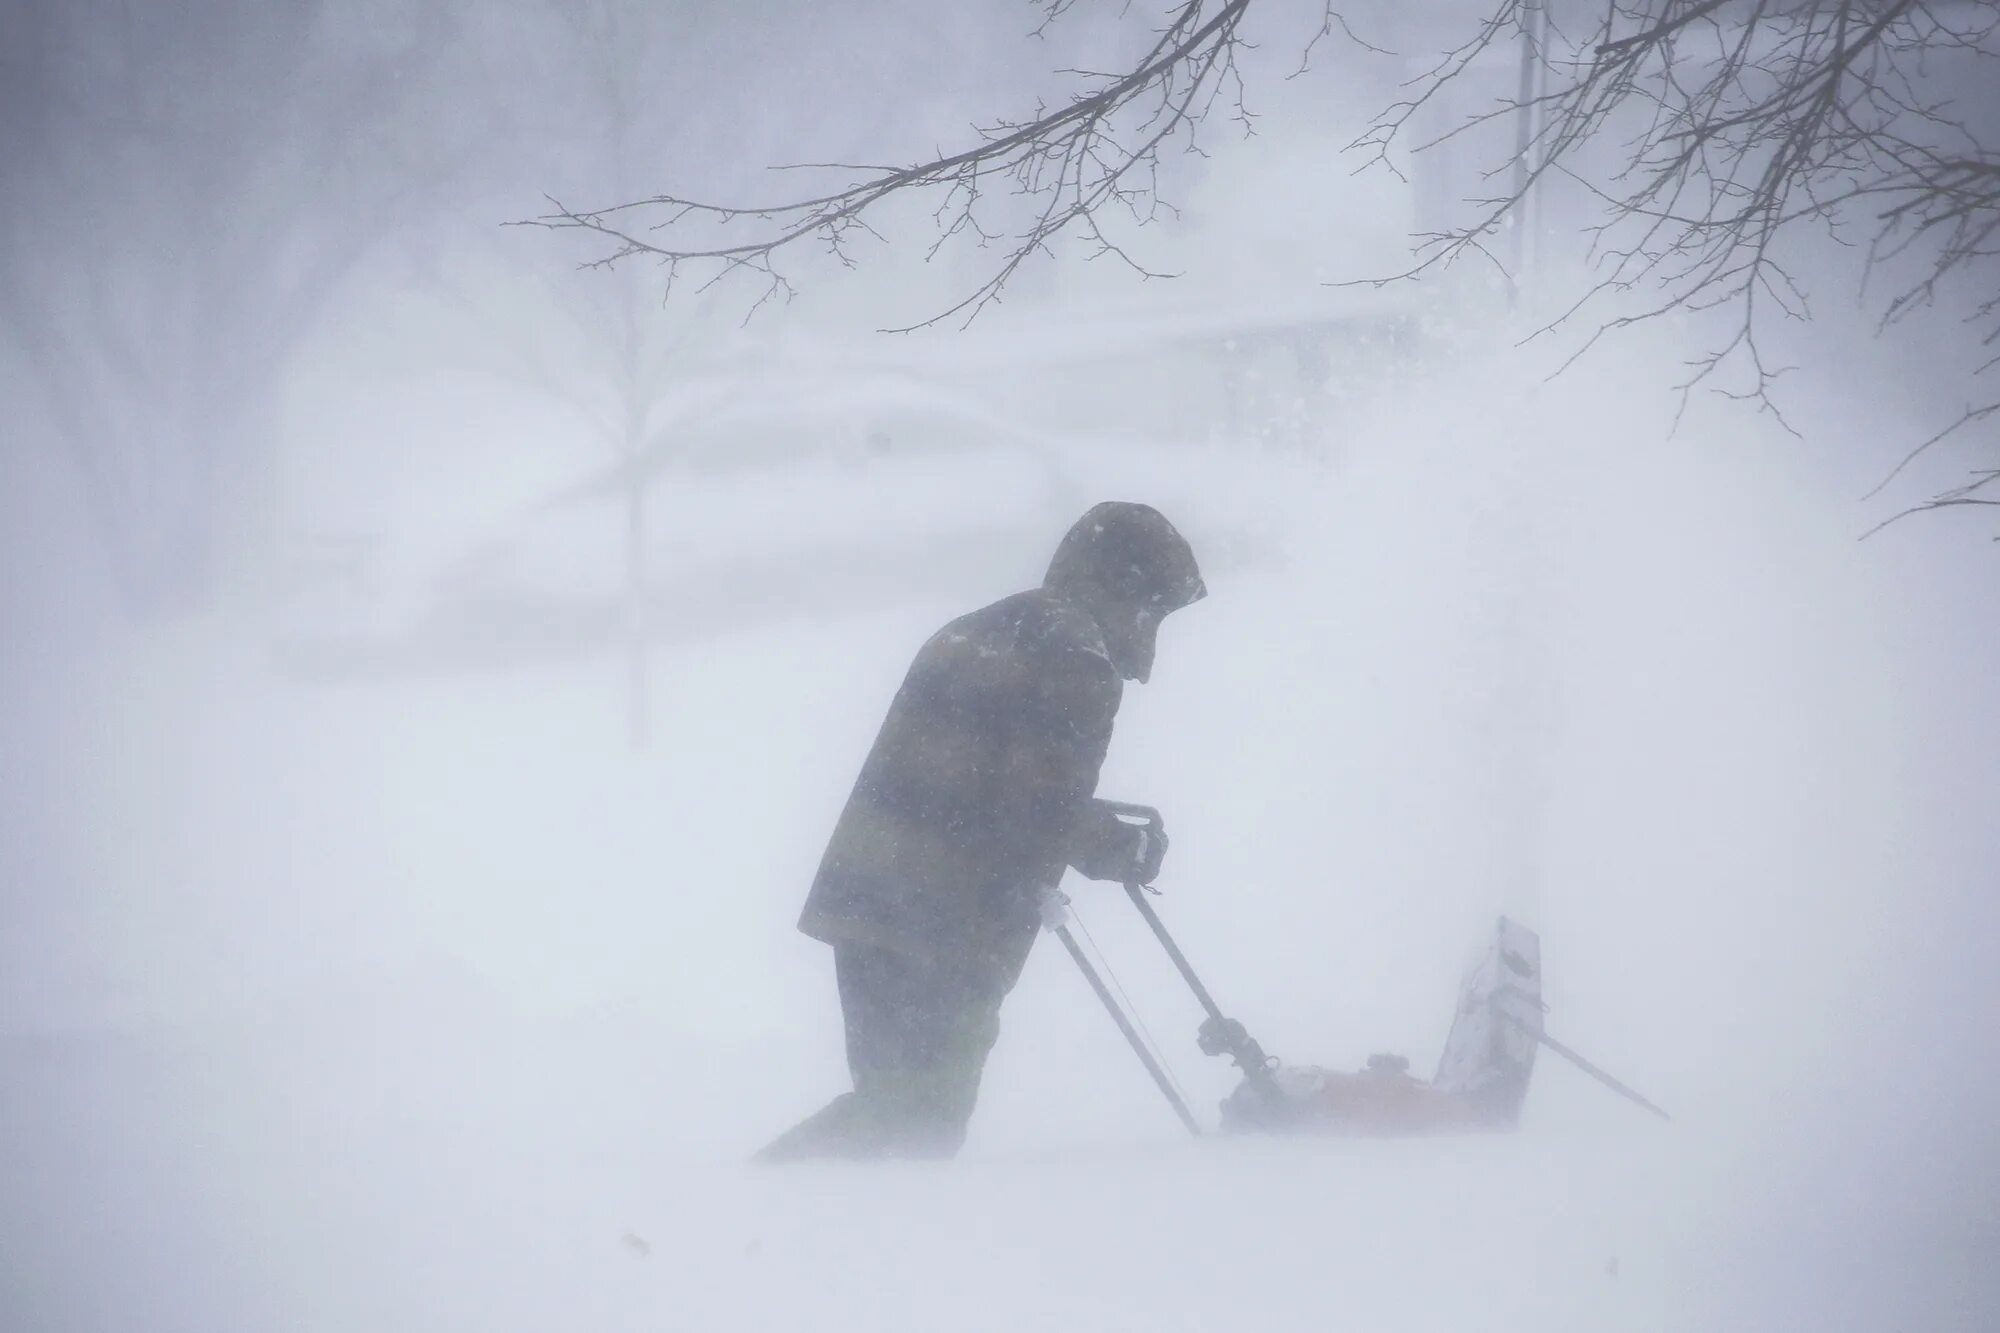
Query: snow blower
{"type": "Point", "coordinates": [1481, 1079]}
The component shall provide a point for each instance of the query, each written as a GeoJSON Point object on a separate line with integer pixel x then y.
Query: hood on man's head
{"type": "Point", "coordinates": [1127, 553]}
{"type": "Point", "coordinates": [1129, 568]}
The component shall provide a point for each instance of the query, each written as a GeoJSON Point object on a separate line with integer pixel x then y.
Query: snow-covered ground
{"type": "Point", "coordinates": [429, 1005]}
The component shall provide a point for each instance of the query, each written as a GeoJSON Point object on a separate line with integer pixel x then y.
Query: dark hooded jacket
{"type": "Point", "coordinates": [985, 766]}
{"type": "Point", "coordinates": [978, 790]}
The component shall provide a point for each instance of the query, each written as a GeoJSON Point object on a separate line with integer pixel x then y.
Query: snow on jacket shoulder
{"type": "Point", "coordinates": [964, 807]}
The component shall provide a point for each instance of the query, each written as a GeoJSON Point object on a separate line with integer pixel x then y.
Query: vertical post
{"type": "Point", "coordinates": [619, 76]}
{"type": "Point", "coordinates": [638, 703]}
{"type": "Point", "coordinates": [1526, 91]}
{"type": "Point", "coordinates": [1520, 768]}
{"type": "Point", "coordinates": [638, 692]}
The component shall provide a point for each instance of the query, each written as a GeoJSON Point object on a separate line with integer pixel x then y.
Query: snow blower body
{"type": "Point", "coordinates": [1481, 1079]}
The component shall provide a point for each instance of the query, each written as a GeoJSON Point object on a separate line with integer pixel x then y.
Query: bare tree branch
{"type": "Point", "coordinates": [1063, 169]}
{"type": "Point", "coordinates": [1733, 128]}
{"type": "Point", "coordinates": [1739, 127]}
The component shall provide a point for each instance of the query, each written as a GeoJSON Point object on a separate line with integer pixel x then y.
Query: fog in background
{"type": "Point", "coordinates": [402, 825]}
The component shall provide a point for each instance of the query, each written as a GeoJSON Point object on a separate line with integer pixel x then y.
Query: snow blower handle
{"type": "Point", "coordinates": [1161, 1079]}
{"type": "Point", "coordinates": [1152, 830]}
{"type": "Point", "coordinates": [1220, 1034]}
{"type": "Point", "coordinates": [1145, 816]}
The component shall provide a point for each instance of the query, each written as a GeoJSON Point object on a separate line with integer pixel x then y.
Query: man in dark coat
{"type": "Point", "coordinates": [977, 794]}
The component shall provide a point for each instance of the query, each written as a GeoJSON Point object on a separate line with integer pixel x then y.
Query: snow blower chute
{"type": "Point", "coordinates": [1481, 1079]}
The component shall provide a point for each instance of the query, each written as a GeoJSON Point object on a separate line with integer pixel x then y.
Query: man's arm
{"type": "Point", "coordinates": [1054, 750]}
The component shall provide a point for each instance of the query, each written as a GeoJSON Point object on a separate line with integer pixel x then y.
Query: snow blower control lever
{"type": "Point", "coordinates": [1220, 1034]}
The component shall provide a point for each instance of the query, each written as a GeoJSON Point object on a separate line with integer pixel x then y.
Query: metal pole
{"type": "Point", "coordinates": [1137, 894]}
{"type": "Point", "coordinates": [1242, 1047]}
{"type": "Point", "coordinates": [1587, 1067]}
{"type": "Point", "coordinates": [1160, 1078]}
{"type": "Point", "coordinates": [1524, 138]}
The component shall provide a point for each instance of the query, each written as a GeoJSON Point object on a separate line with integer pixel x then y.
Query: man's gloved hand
{"type": "Point", "coordinates": [1148, 855]}
{"type": "Point", "coordinates": [1103, 846]}
{"type": "Point", "coordinates": [1054, 905]}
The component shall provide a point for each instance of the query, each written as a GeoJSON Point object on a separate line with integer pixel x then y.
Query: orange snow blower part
{"type": "Point", "coordinates": [1481, 1079]}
